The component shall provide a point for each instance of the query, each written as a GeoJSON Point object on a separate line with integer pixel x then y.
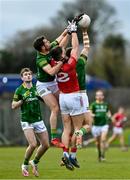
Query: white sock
{"type": "Point", "coordinates": [73, 155]}
{"type": "Point", "coordinates": [66, 154]}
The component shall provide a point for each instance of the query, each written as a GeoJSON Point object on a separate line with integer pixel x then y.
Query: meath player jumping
{"type": "Point", "coordinates": [46, 84]}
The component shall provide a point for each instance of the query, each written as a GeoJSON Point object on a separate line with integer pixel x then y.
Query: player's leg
{"type": "Point", "coordinates": [89, 141]}
{"type": "Point", "coordinates": [98, 145]}
{"type": "Point", "coordinates": [76, 140]}
{"type": "Point", "coordinates": [66, 130]}
{"type": "Point", "coordinates": [49, 94]}
{"type": "Point", "coordinates": [122, 142]}
{"type": "Point", "coordinates": [87, 114]}
{"type": "Point", "coordinates": [44, 145]}
{"type": "Point", "coordinates": [42, 135]}
{"type": "Point", "coordinates": [104, 133]}
{"type": "Point", "coordinates": [96, 132]}
{"type": "Point", "coordinates": [30, 136]}
{"type": "Point", "coordinates": [52, 103]}
{"type": "Point", "coordinates": [111, 139]}
{"type": "Point", "coordinates": [78, 129]}
{"type": "Point", "coordinates": [66, 140]}
{"type": "Point", "coordinates": [88, 121]}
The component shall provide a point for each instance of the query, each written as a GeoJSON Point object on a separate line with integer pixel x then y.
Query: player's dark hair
{"type": "Point", "coordinates": [56, 53]}
{"type": "Point", "coordinates": [25, 70]}
{"type": "Point", "coordinates": [68, 51]}
{"type": "Point", "coordinates": [38, 43]}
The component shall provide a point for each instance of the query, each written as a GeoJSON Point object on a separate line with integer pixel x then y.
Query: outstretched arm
{"type": "Point", "coordinates": [75, 45]}
{"type": "Point", "coordinates": [60, 38]}
{"type": "Point", "coordinates": [64, 41]}
{"type": "Point", "coordinates": [86, 43]}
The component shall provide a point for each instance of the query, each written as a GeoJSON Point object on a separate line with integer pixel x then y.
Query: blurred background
{"type": "Point", "coordinates": [108, 64]}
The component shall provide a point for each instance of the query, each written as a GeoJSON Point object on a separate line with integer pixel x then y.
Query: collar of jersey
{"type": "Point", "coordinates": [24, 85]}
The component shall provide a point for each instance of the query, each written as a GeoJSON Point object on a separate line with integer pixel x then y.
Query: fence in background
{"type": "Point", "coordinates": [10, 129]}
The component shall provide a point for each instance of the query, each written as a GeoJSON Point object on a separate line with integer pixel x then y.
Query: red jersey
{"type": "Point", "coordinates": [119, 119]}
{"type": "Point", "coordinates": [67, 76]}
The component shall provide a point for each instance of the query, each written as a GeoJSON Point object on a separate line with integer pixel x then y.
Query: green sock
{"type": "Point", "coordinates": [53, 133]}
{"type": "Point", "coordinates": [83, 130]}
{"type": "Point", "coordinates": [26, 161]}
{"type": "Point", "coordinates": [36, 160]}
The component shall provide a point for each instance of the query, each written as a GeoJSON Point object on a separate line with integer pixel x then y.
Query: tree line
{"type": "Point", "coordinates": [108, 58]}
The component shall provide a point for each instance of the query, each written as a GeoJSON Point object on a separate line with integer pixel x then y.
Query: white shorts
{"type": "Point", "coordinates": [97, 130]}
{"type": "Point", "coordinates": [85, 102]}
{"type": "Point", "coordinates": [37, 126]}
{"type": "Point", "coordinates": [71, 103]}
{"type": "Point", "coordinates": [44, 88]}
{"type": "Point", "coordinates": [117, 130]}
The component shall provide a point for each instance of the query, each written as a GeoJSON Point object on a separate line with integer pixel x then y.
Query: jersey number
{"type": "Point", "coordinates": [62, 77]}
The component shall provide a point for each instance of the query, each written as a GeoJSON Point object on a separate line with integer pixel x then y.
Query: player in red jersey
{"type": "Point", "coordinates": [118, 120]}
{"type": "Point", "coordinates": [70, 99]}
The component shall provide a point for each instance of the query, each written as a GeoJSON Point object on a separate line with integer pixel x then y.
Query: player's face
{"type": "Point", "coordinates": [27, 77]}
{"type": "Point", "coordinates": [47, 44]}
{"type": "Point", "coordinates": [99, 96]}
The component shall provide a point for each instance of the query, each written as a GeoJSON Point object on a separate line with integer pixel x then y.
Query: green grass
{"type": "Point", "coordinates": [117, 165]}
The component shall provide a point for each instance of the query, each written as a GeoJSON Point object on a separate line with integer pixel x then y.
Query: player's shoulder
{"type": "Point", "coordinates": [93, 103]}
{"type": "Point", "coordinates": [19, 89]}
{"type": "Point", "coordinates": [40, 56]}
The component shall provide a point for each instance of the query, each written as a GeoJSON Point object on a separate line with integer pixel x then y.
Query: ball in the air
{"type": "Point", "coordinates": [85, 21]}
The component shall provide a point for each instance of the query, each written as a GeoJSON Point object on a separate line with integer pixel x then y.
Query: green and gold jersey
{"type": "Point", "coordinates": [30, 109]}
{"type": "Point", "coordinates": [41, 61]}
{"type": "Point", "coordinates": [100, 113]}
{"type": "Point", "coordinates": [80, 69]}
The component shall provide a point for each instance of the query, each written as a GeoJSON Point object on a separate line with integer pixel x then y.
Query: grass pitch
{"type": "Point", "coordinates": [117, 165]}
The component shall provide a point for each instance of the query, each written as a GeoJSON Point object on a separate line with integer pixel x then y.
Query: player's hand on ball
{"type": "Point", "coordinates": [69, 27]}
{"type": "Point", "coordinates": [78, 18]}
{"type": "Point", "coordinates": [73, 26]}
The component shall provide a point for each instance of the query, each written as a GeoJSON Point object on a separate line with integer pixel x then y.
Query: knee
{"type": "Point", "coordinates": [67, 131]}
{"type": "Point", "coordinates": [46, 145]}
{"type": "Point", "coordinates": [55, 108]}
{"type": "Point", "coordinates": [88, 128]}
{"type": "Point", "coordinates": [33, 145]}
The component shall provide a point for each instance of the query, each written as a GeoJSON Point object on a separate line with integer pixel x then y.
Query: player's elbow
{"type": "Point", "coordinates": [51, 72]}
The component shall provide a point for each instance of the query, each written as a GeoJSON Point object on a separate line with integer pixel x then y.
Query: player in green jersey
{"type": "Point", "coordinates": [46, 84]}
{"type": "Point", "coordinates": [101, 114]}
{"type": "Point", "coordinates": [26, 98]}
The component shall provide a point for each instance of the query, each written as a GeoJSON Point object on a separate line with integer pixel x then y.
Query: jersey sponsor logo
{"type": "Point", "coordinates": [27, 93]}
{"type": "Point", "coordinates": [31, 99]}
{"type": "Point", "coordinates": [101, 110]}
{"type": "Point", "coordinates": [62, 77]}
